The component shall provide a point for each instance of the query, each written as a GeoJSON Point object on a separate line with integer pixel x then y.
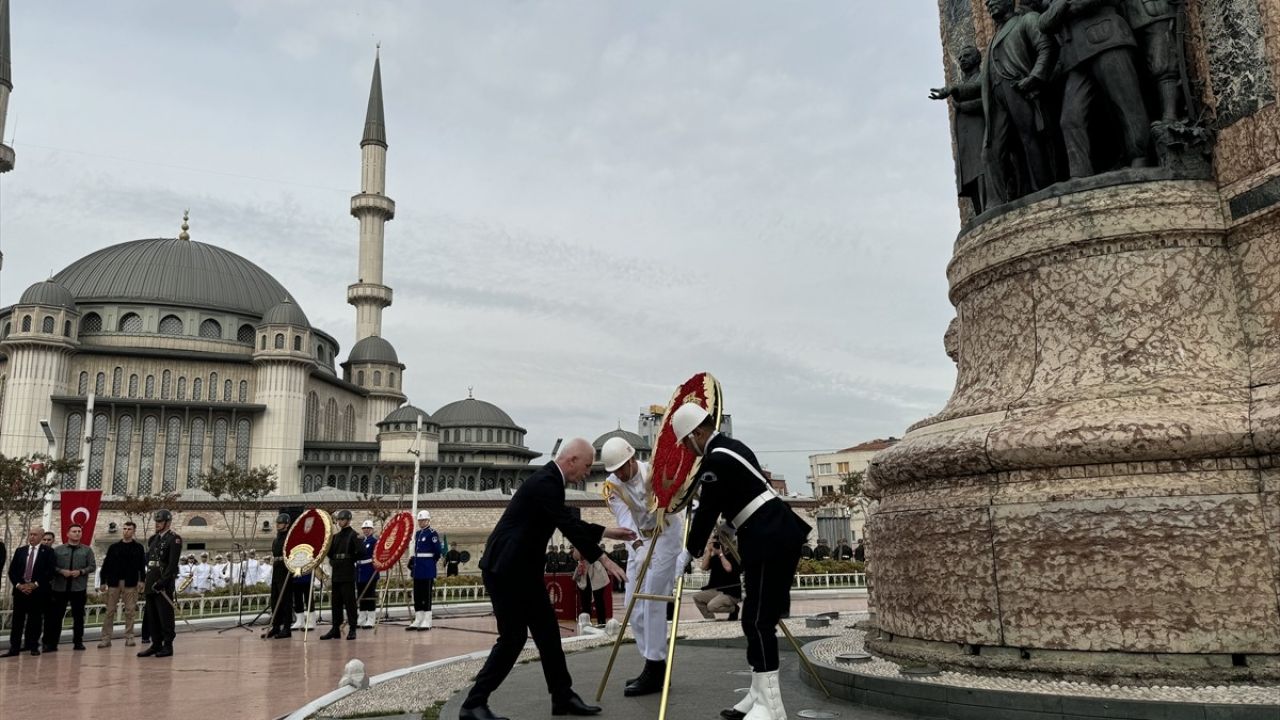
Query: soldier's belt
{"type": "Point", "coordinates": [365, 562]}
{"type": "Point", "coordinates": [154, 564]}
{"type": "Point", "coordinates": [425, 555]}
{"type": "Point", "coordinates": [342, 556]}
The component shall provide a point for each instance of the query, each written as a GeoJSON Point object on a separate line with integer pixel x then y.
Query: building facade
{"type": "Point", "coordinates": [827, 473]}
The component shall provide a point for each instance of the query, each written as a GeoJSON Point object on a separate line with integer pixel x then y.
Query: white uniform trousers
{"type": "Point", "coordinates": [649, 619]}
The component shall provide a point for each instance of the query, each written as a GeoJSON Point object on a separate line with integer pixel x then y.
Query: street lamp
{"type": "Point", "coordinates": [47, 518]}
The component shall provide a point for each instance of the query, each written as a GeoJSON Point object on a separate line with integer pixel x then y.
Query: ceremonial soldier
{"type": "Point", "coordinates": [806, 551]}
{"type": "Point", "coordinates": [824, 550]}
{"type": "Point", "coordinates": [186, 569]}
{"type": "Point", "coordinates": [163, 550]}
{"type": "Point", "coordinates": [843, 551]}
{"type": "Point", "coordinates": [366, 576]}
{"type": "Point", "coordinates": [422, 563]}
{"type": "Point", "coordinates": [769, 536]}
{"type": "Point", "coordinates": [343, 554]}
{"type": "Point", "coordinates": [631, 499]}
{"type": "Point", "coordinates": [279, 581]}
{"type": "Point", "coordinates": [553, 561]}
{"type": "Point", "coordinates": [451, 561]}
{"type": "Point", "coordinates": [203, 574]}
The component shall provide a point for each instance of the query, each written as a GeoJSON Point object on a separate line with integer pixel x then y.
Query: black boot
{"type": "Point", "coordinates": [333, 634]}
{"type": "Point", "coordinates": [650, 680]}
{"type": "Point", "coordinates": [152, 650]}
{"type": "Point", "coordinates": [351, 633]}
{"type": "Point", "coordinates": [166, 650]}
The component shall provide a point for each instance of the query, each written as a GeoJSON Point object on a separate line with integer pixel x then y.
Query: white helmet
{"type": "Point", "coordinates": [686, 419]}
{"type": "Point", "coordinates": [424, 514]}
{"type": "Point", "coordinates": [615, 453]}
{"type": "Point", "coordinates": [366, 524]}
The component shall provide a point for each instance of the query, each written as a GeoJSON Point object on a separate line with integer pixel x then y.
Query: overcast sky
{"type": "Point", "coordinates": [595, 198]}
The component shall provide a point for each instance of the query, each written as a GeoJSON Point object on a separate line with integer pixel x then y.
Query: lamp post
{"type": "Point", "coordinates": [47, 518]}
{"type": "Point", "coordinates": [417, 466]}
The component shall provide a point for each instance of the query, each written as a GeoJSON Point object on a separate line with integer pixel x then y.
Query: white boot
{"type": "Point", "coordinates": [426, 621]}
{"type": "Point", "coordinates": [749, 699]}
{"type": "Point", "coordinates": [297, 622]}
{"type": "Point", "coordinates": [417, 620]}
{"type": "Point", "coordinates": [360, 616]}
{"type": "Point", "coordinates": [768, 704]}
{"type": "Point", "coordinates": [313, 617]}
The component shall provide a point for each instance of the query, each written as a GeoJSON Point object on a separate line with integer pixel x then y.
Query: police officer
{"type": "Point", "coordinates": [279, 580]}
{"type": "Point", "coordinates": [769, 537]}
{"type": "Point", "coordinates": [343, 554]}
{"type": "Point", "coordinates": [806, 551]}
{"type": "Point", "coordinates": [164, 548]}
{"type": "Point", "coordinates": [843, 551]}
{"type": "Point", "coordinates": [367, 576]}
{"type": "Point", "coordinates": [422, 563]}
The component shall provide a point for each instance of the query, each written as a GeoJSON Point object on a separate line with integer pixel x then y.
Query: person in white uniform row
{"type": "Point", "coordinates": [630, 497]}
{"type": "Point", "coordinates": [203, 574]}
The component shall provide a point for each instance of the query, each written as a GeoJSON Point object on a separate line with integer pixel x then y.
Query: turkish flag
{"type": "Point", "coordinates": [80, 507]}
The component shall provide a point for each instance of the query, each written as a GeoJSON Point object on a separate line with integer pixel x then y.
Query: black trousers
{"type": "Point", "coordinates": [281, 613]}
{"type": "Point", "coordinates": [585, 596]}
{"type": "Point", "coordinates": [767, 598]}
{"type": "Point", "coordinates": [451, 569]}
{"type": "Point", "coordinates": [423, 590]}
{"type": "Point", "coordinates": [521, 607]}
{"type": "Point", "coordinates": [344, 598]}
{"type": "Point", "coordinates": [299, 592]}
{"type": "Point", "coordinates": [369, 594]}
{"type": "Point", "coordinates": [159, 617]}
{"type": "Point", "coordinates": [28, 612]}
{"type": "Point", "coordinates": [58, 610]}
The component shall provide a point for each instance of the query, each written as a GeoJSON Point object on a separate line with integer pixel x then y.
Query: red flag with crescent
{"type": "Point", "coordinates": [672, 467]}
{"type": "Point", "coordinates": [80, 507]}
{"type": "Point", "coordinates": [393, 542]}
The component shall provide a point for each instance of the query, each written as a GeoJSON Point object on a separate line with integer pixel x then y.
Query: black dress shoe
{"type": "Point", "coordinates": [351, 634]}
{"type": "Point", "coordinates": [78, 646]}
{"type": "Point", "coordinates": [331, 635]}
{"type": "Point", "coordinates": [155, 648]}
{"type": "Point", "coordinates": [284, 634]}
{"type": "Point", "coordinates": [731, 714]}
{"type": "Point", "coordinates": [573, 706]}
{"type": "Point", "coordinates": [166, 651]}
{"type": "Point", "coordinates": [478, 713]}
{"type": "Point", "coordinates": [270, 634]}
{"type": "Point", "coordinates": [50, 648]}
{"type": "Point", "coordinates": [35, 651]}
{"type": "Point", "coordinates": [12, 652]}
{"type": "Point", "coordinates": [650, 680]}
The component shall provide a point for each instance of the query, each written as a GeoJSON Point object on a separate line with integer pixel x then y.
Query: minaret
{"type": "Point", "coordinates": [373, 209]}
{"type": "Point", "coordinates": [6, 85]}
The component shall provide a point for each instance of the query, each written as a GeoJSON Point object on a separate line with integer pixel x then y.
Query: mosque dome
{"type": "Point", "coordinates": [285, 313]}
{"type": "Point", "coordinates": [48, 292]}
{"type": "Point", "coordinates": [408, 414]}
{"type": "Point", "coordinates": [373, 349]}
{"type": "Point", "coordinates": [471, 412]}
{"type": "Point", "coordinates": [636, 441]}
{"type": "Point", "coordinates": [169, 271]}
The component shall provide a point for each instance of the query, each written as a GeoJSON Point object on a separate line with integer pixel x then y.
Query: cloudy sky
{"type": "Point", "coordinates": [596, 198]}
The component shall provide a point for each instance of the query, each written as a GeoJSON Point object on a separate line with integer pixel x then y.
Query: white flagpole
{"type": "Point", "coordinates": [417, 466]}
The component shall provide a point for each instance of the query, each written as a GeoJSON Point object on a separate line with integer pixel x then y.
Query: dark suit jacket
{"type": "Point", "coordinates": [725, 487]}
{"type": "Point", "coordinates": [42, 573]}
{"type": "Point", "coordinates": [536, 510]}
{"type": "Point", "coordinates": [1085, 28]}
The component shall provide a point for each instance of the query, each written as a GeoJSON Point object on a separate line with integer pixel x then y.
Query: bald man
{"type": "Point", "coordinates": [512, 569]}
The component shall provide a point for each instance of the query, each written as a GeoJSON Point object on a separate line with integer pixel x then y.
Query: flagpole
{"type": "Point", "coordinates": [46, 520]}
{"type": "Point", "coordinates": [417, 467]}
{"type": "Point", "coordinates": [83, 482]}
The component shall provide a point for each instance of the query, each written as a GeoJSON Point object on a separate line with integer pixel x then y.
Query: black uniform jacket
{"type": "Point", "coordinates": [41, 574]}
{"type": "Point", "coordinates": [536, 510]}
{"type": "Point", "coordinates": [163, 553]}
{"type": "Point", "coordinates": [725, 488]}
{"type": "Point", "coordinates": [343, 554]}
{"type": "Point", "coordinates": [279, 571]}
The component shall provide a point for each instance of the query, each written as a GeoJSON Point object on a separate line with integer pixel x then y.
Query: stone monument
{"type": "Point", "coordinates": [1101, 494]}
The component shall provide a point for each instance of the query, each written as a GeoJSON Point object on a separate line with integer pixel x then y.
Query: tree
{"type": "Point", "coordinates": [237, 489]}
{"type": "Point", "coordinates": [24, 482]}
{"type": "Point", "coordinates": [145, 507]}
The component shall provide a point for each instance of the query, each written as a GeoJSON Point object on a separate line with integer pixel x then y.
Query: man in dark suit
{"type": "Point", "coordinates": [512, 569]}
{"type": "Point", "coordinates": [769, 536]}
{"type": "Point", "coordinates": [31, 574]}
{"type": "Point", "coordinates": [344, 551]}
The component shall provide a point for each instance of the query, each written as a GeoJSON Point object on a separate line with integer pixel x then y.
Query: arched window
{"type": "Point", "coordinates": [213, 386]}
{"type": "Point", "coordinates": [147, 461]}
{"type": "Point", "coordinates": [264, 342]}
{"type": "Point", "coordinates": [133, 386]}
{"type": "Point", "coordinates": [197, 521]}
{"type": "Point", "coordinates": [377, 378]}
{"type": "Point", "coordinates": [244, 391]}
{"type": "Point", "coordinates": [279, 341]}
{"type": "Point", "coordinates": [313, 417]}
{"type": "Point", "coordinates": [8, 328]}
{"type": "Point", "coordinates": [226, 391]}
{"type": "Point", "coordinates": [466, 435]}
{"type": "Point", "coordinates": [172, 451]}
{"type": "Point", "coordinates": [66, 329]}
{"type": "Point", "coordinates": [83, 387]}
{"type": "Point", "coordinates": [100, 384]}
{"type": "Point", "coordinates": [349, 424]}
{"type": "Point", "coordinates": [197, 386]}
{"type": "Point", "coordinates": [130, 323]}
{"type": "Point", "coordinates": [98, 451]}
{"type": "Point", "coordinates": [117, 379]}
{"type": "Point", "coordinates": [220, 429]}
{"type": "Point", "coordinates": [211, 329]}
{"type": "Point", "coordinates": [242, 442]}
{"type": "Point", "coordinates": [170, 325]}
{"type": "Point", "coordinates": [297, 343]}
{"type": "Point", "coordinates": [124, 444]}
{"type": "Point", "coordinates": [391, 380]}
{"type": "Point", "coordinates": [71, 445]}
{"type": "Point", "coordinates": [26, 323]}
{"type": "Point", "coordinates": [195, 454]}
{"type": "Point", "coordinates": [48, 324]}
{"type": "Point", "coordinates": [91, 323]}
{"type": "Point", "coordinates": [245, 334]}
{"type": "Point", "coordinates": [182, 388]}
{"type": "Point", "coordinates": [166, 384]}
{"type": "Point", "coordinates": [331, 420]}
{"type": "Point", "coordinates": [149, 391]}
{"type": "Point", "coordinates": [360, 378]}
{"type": "Point", "coordinates": [490, 433]}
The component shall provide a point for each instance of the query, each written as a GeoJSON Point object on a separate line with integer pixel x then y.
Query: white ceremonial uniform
{"type": "Point", "coordinates": [219, 579]}
{"type": "Point", "coordinates": [201, 580]}
{"type": "Point", "coordinates": [184, 572]}
{"type": "Point", "coordinates": [264, 573]}
{"type": "Point", "coordinates": [630, 502]}
{"type": "Point", "coordinates": [251, 571]}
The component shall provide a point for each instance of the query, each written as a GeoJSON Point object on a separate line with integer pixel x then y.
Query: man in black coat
{"type": "Point", "coordinates": [769, 536]}
{"type": "Point", "coordinates": [343, 554]}
{"type": "Point", "coordinates": [512, 569]}
{"type": "Point", "coordinates": [281, 614]}
{"type": "Point", "coordinates": [31, 574]}
{"type": "Point", "coordinates": [164, 549]}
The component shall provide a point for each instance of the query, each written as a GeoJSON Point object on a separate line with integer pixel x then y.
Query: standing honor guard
{"type": "Point", "coordinates": [769, 536]}
{"type": "Point", "coordinates": [631, 499]}
{"type": "Point", "coordinates": [343, 554]}
{"type": "Point", "coordinates": [367, 576]}
{"type": "Point", "coordinates": [280, 627]}
{"type": "Point", "coordinates": [422, 563]}
{"type": "Point", "coordinates": [163, 550]}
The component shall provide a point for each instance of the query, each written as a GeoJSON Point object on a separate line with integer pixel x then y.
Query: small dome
{"type": "Point", "coordinates": [285, 313]}
{"type": "Point", "coordinates": [48, 292]}
{"type": "Point", "coordinates": [408, 414]}
{"type": "Point", "coordinates": [373, 349]}
{"type": "Point", "coordinates": [635, 440]}
{"type": "Point", "coordinates": [471, 412]}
